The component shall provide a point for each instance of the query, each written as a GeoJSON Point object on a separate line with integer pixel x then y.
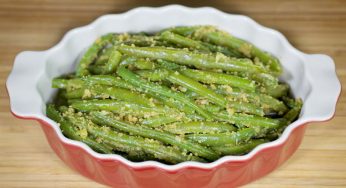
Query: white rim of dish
{"type": "Point", "coordinates": [314, 117]}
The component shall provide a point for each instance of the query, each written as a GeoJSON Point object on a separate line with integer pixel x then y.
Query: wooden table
{"type": "Point", "coordinates": [26, 160]}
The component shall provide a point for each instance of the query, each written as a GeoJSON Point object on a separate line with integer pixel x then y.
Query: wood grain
{"type": "Point", "coordinates": [312, 26]}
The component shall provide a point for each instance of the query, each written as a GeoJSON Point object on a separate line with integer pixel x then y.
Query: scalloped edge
{"type": "Point", "coordinates": [146, 164]}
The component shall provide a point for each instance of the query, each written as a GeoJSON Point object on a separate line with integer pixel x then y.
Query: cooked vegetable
{"type": "Point", "coordinates": [183, 144]}
{"type": "Point", "coordinates": [198, 60]}
{"type": "Point", "coordinates": [239, 149]}
{"type": "Point", "coordinates": [71, 131]}
{"type": "Point", "coordinates": [110, 66]}
{"type": "Point", "coordinates": [215, 36]}
{"type": "Point", "coordinates": [156, 89]}
{"type": "Point", "coordinates": [192, 93]}
{"type": "Point", "coordinates": [92, 53]}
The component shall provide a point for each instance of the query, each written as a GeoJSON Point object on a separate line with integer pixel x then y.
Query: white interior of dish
{"type": "Point", "coordinates": [311, 77]}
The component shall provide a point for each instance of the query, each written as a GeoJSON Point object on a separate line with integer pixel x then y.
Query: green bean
{"type": "Point", "coordinates": [222, 50]}
{"type": "Point", "coordinates": [169, 65]}
{"type": "Point", "coordinates": [210, 34]}
{"type": "Point", "coordinates": [89, 127]}
{"type": "Point", "coordinates": [183, 41]}
{"type": "Point", "coordinates": [239, 149]}
{"type": "Point", "coordinates": [290, 102]}
{"type": "Point", "coordinates": [121, 107]}
{"type": "Point", "coordinates": [176, 104]}
{"type": "Point", "coordinates": [104, 56]}
{"type": "Point", "coordinates": [97, 69]}
{"type": "Point", "coordinates": [82, 123]}
{"type": "Point", "coordinates": [130, 144]}
{"type": "Point", "coordinates": [143, 41]}
{"type": "Point", "coordinates": [219, 78]}
{"type": "Point", "coordinates": [245, 120]}
{"type": "Point", "coordinates": [186, 32]}
{"type": "Point", "coordinates": [101, 148]}
{"type": "Point", "coordinates": [239, 105]}
{"type": "Point", "coordinates": [260, 129]}
{"type": "Point", "coordinates": [265, 79]}
{"type": "Point", "coordinates": [227, 90]}
{"type": "Point", "coordinates": [75, 94]}
{"type": "Point", "coordinates": [103, 92]}
{"type": "Point", "coordinates": [59, 83]}
{"type": "Point", "coordinates": [212, 96]}
{"type": "Point", "coordinates": [211, 108]}
{"type": "Point", "coordinates": [183, 144]}
{"type": "Point", "coordinates": [78, 83]}
{"type": "Point", "coordinates": [200, 89]}
{"type": "Point", "coordinates": [143, 64]}
{"type": "Point", "coordinates": [69, 131]}
{"type": "Point", "coordinates": [192, 59]}
{"type": "Point", "coordinates": [113, 81]}
{"type": "Point", "coordinates": [245, 107]}
{"type": "Point", "coordinates": [210, 77]}
{"type": "Point", "coordinates": [102, 64]}
{"type": "Point", "coordinates": [121, 94]}
{"type": "Point", "coordinates": [158, 89]}
{"type": "Point", "coordinates": [55, 115]}
{"type": "Point", "coordinates": [160, 120]}
{"type": "Point", "coordinates": [177, 78]}
{"type": "Point", "coordinates": [171, 102]}
{"type": "Point", "coordinates": [292, 114]}
{"type": "Point", "coordinates": [63, 83]}
{"type": "Point", "coordinates": [76, 100]}
{"type": "Point", "coordinates": [183, 93]}
{"type": "Point", "coordinates": [181, 30]}
{"type": "Point", "coordinates": [91, 54]}
{"type": "Point", "coordinates": [107, 80]}
{"type": "Point", "coordinates": [110, 66]}
{"type": "Point", "coordinates": [153, 75]}
{"type": "Point", "coordinates": [194, 95]}
{"type": "Point", "coordinates": [233, 138]}
{"type": "Point", "coordinates": [267, 102]}
{"type": "Point", "coordinates": [198, 127]}
{"type": "Point", "coordinates": [277, 92]}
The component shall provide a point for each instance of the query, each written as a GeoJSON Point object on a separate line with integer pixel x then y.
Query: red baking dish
{"type": "Point", "coordinates": [311, 77]}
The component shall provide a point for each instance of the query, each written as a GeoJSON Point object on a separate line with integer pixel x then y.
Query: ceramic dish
{"type": "Point", "coordinates": [311, 77]}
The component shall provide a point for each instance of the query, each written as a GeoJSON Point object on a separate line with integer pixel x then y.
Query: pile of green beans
{"type": "Point", "coordinates": [192, 93]}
